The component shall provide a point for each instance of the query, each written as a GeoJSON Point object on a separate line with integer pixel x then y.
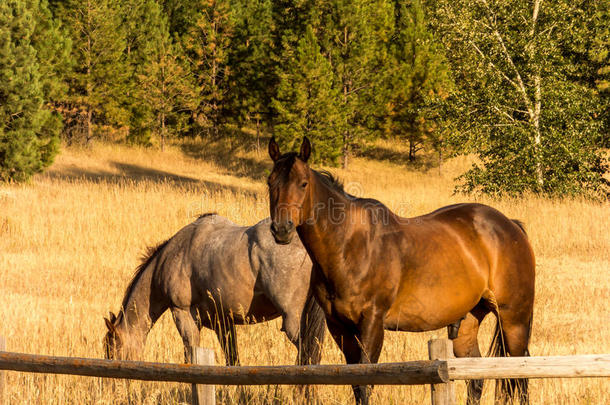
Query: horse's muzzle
{"type": "Point", "coordinates": [283, 233]}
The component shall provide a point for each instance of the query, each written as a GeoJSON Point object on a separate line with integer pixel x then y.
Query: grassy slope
{"type": "Point", "coordinates": [70, 240]}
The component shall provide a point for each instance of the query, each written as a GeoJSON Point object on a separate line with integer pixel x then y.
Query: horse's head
{"type": "Point", "coordinates": [116, 344]}
{"type": "Point", "coordinates": [288, 190]}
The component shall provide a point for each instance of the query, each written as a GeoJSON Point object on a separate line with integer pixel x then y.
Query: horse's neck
{"type": "Point", "coordinates": [139, 313]}
{"type": "Point", "coordinates": [327, 222]}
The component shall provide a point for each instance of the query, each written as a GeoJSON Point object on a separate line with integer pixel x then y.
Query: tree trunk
{"type": "Point", "coordinates": [411, 150]}
{"type": "Point", "coordinates": [258, 143]}
{"type": "Point", "coordinates": [89, 130]}
{"type": "Point", "coordinates": [162, 132]}
{"type": "Point", "coordinates": [89, 89]}
{"type": "Point", "coordinates": [440, 160]}
{"type": "Point", "coordinates": [537, 104]}
{"type": "Point", "coordinates": [345, 150]}
{"type": "Point", "coordinates": [537, 134]}
{"type": "Point", "coordinates": [346, 134]}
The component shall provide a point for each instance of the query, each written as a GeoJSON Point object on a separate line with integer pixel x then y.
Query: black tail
{"type": "Point", "coordinates": [313, 329]}
{"type": "Point", "coordinates": [507, 390]}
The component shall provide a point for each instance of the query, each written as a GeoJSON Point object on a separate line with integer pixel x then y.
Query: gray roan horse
{"type": "Point", "coordinates": [216, 274]}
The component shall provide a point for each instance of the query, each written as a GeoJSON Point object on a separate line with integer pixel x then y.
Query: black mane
{"type": "Point", "coordinates": [147, 258]}
{"type": "Point", "coordinates": [330, 180]}
{"type": "Point", "coordinates": [207, 214]}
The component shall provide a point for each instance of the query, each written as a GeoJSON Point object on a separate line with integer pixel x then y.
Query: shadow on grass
{"type": "Point", "coordinates": [225, 153]}
{"type": "Point", "coordinates": [139, 174]}
{"type": "Point", "coordinates": [422, 161]}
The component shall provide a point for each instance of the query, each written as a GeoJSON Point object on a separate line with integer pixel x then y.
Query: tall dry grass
{"type": "Point", "coordinates": [71, 238]}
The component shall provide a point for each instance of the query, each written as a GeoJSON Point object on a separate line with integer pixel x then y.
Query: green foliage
{"type": "Point", "coordinates": [354, 36]}
{"type": "Point", "coordinates": [144, 27]}
{"type": "Point", "coordinates": [165, 86]}
{"type": "Point", "coordinates": [253, 58]}
{"type": "Point", "coordinates": [28, 130]}
{"type": "Point", "coordinates": [416, 82]}
{"type": "Point", "coordinates": [99, 80]}
{"type": "Point", "coordinates": [207, 44]}
{"type": "Point", "coordinates": [530, 117]}
{"type": "Point", "coordinates": [307, 102]}
{"type": "Point", "coordinates": [522, 84]}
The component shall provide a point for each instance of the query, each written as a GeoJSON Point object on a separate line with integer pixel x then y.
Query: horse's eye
{"type": "Point", "coordinates": [304, 184]}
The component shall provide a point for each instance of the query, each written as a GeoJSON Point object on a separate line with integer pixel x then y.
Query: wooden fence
{"type": "Point", "coordinates": [440, 371]}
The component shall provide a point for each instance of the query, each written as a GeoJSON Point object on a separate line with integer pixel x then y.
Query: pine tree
{"type": "Point", "coordinates": [207, 45]}
{"type": "Point", "coordinates": [252, 61]}
{"type": "Point", "coordinates": [308, 102]}
{"type": "Point", "coordinates": [418, 77]}
{"type": "Point", "coordinates": [181, 15]}
{"type": "Point", "coordinates": [143, 24]}
{"type": "Point", "coordinates": [28, 139]}
{"type": "Point", "coordinates": [98, 82]}
{"type": "Point", "coordinates": [166, 86]}
{"type": "Point", "coordinates": [53, 53]}
{"type": "Point", "coordinates": [353, 35]}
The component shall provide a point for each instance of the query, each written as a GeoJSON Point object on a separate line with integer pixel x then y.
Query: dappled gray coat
{"type": "Point", "coordinates": [216, 274]}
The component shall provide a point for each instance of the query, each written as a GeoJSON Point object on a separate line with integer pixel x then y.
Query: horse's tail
{"type": "Point", "coordinates": [497, 347]}
{"type": "Point", "coordinates": [520, 224]}
{"type": "Point", "coordinates": [513, 388]}
{"type": "Point", "coordinates": [313, 329]}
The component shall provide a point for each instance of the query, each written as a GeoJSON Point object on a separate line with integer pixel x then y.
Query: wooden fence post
{"type": "Point", "coordinates": [2, 373]}
{"type": "Point", "coordinates": [203, 394]}
{"type": "Point", "coordinates": [442, 394]}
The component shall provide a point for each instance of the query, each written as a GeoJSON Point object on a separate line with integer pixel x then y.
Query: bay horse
{"type": "Point", "coordinates": [217, 274]}
{"type": "Point", "coordinates": [374, 270]}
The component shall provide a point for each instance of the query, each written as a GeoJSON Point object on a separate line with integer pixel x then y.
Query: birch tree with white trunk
{"type": "Point", "coordinates": [522, 108]}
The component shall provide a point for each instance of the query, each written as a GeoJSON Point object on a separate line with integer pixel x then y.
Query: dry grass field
{"type": "Point", "coordinates": [71, 239]}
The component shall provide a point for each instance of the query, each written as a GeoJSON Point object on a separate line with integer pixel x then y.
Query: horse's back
{"type": "Point", "coordinates": [484, 232]}
{"type": "Point", "coordinates": [460, 251]}
{"type": "Point", "coordinates": [213, 261]}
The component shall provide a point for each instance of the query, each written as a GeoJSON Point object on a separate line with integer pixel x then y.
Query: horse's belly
{"type": "Point", "coordinates": [421, 309]}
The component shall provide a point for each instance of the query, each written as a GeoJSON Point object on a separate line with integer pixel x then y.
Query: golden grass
{"type": "Point", "coordinates": [71, 238]}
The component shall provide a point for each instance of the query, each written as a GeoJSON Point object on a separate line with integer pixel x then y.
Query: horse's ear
{"type": "Point", "coordinates": [274, 149]}
{"type": "Point", "coordinates": [109, 325]}
{"type": "Point", "coordinates": [305, 149]}
{"type": "Point", "coordinates": [112, 317]}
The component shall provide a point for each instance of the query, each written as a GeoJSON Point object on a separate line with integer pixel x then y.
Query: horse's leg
{"type": "Point", "coordinates": [465, 344]}
{"type": "Point", "coordinates": [309, 343]}
{"type": "Point", "coordinates": [514, 338]}
{"type": "Point", "coordinates": [187, 327]}
{"type": "Point", "coordinates": [227, 336]}
{"type": "Point", "coordinates": [360, 344]}
{"type": "Point", "coordinates": [311, 334]}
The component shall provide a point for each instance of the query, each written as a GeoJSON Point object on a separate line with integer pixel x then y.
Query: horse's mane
{"type": "Point", "coordinates": [207, 214]}
{"type": "Point", "coordinates": [330, 180]}
{"type": "Point", "coordinates": [146, 259]}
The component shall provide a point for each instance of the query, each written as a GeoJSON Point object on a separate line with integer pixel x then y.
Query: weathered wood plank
{"type": "Point", "coordinates": [444, 393]}
{"type": "Point", "coordinates": [591, 365]}
{"type": "Point", "coordinates": [203, 394]}
{"type": "Point", "coordinates": [409, 373]}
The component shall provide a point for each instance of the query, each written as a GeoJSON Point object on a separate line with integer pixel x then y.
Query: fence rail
{"type": "Point", "coordinates": [440, 371]}
{"type": "Point", "coordinates": [590, 365]}
{"type": "Point", "coordinates": [409, 373]}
